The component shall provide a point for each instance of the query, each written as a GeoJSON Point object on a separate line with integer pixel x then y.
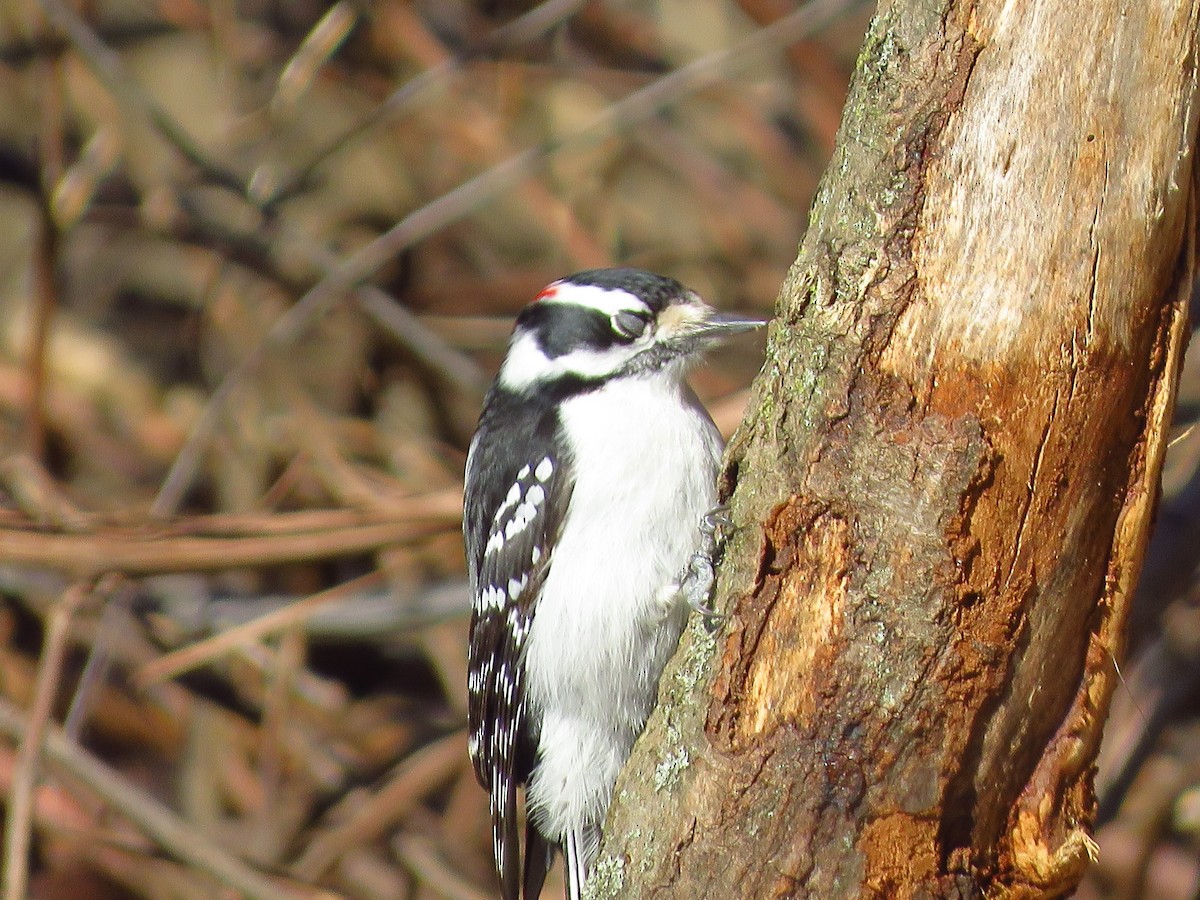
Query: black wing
{"type": "Point", "coordinates": [517, 492]}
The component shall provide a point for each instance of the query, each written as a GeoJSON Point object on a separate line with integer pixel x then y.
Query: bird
{"type": "Point", "coordinates": [589, 489]}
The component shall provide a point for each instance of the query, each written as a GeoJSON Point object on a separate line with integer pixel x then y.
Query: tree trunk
{"type": "Point", "coordinates": [944, 484]}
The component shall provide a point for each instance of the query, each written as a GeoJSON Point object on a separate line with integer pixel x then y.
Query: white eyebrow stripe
{"type": "Point", "coordinates": [609, 301]}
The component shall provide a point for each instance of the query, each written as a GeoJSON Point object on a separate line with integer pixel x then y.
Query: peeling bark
{"type": "Point", "coordinates": [944, 484]}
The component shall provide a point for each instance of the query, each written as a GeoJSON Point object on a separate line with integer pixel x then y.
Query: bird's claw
{"type": "Point", "coordinates": [699, 578]}
{"type": "Point", "coordinates": [713, 521]}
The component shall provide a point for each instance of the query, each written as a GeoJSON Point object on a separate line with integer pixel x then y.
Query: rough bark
{"type": "Point", "coordinates": [945, 482]}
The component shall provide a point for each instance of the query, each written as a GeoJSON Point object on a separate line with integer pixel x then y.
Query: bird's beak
{"type": "Point", "coordinates": [696, 319]}
{"type": "Point", "coordinates": [719, 324]}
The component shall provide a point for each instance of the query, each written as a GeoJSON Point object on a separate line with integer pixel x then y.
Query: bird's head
{"type": "Point", "coordinates": [602, 324]}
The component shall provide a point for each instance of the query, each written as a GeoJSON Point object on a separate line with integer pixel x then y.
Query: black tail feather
{"type": "Point", "coordinates": [539, 856]}
{"type": "Point", "coordinates": [506, 843]}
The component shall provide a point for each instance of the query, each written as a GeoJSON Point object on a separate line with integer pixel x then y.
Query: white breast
{"type": "Point", "coordinates": [645, 460]}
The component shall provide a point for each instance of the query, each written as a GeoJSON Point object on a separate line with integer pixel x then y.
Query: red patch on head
{"type": "Point", "coordinates": [547, 292]}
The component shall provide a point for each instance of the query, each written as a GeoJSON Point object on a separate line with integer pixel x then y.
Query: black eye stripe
{"type": "Point", "coordinates": [560, 328]}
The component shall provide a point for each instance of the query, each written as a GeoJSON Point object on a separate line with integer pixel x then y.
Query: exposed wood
{"type": "Point", "coordinates": [250, 469]}
{"type": "Point", "coordinates": [946, 478]}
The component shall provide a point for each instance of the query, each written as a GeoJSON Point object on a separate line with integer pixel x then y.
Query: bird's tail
{"type": "Point", "coordinates": [579, 849]}
{"type": "Point", "coordinates": [539, 856]}
{"type": "Point", "coordinates": [505, 843]}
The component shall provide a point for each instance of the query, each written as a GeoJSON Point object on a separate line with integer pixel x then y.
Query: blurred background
{"type": "Point", "coordinates": [258, 262]}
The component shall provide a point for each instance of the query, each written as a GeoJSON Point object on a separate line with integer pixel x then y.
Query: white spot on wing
{"type": "Point", "coordinates": [492, 598]}
{"type": "Point", "coordinates": [514, 494]}
{"type": "Point", "coordinates": [514, 526]}
{"type": "Point", "coordinates": [523, 515]}
{"type": "Point", "coordinates": [495, 543]}
{"type": "Point", "coordinates": [544, 470]}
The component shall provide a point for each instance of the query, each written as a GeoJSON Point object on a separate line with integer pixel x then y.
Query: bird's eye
{"type": "Point", "coordinates": [629, 325]}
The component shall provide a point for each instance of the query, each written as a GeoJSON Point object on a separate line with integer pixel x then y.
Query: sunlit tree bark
{"type": "Point", "coordinates": [945, 480]}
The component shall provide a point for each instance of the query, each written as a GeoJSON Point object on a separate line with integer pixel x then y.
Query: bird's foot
{"type": "Point", "coordinates": [699, 578]}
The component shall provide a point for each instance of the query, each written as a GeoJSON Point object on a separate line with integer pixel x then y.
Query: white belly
{"type": "Point", "coordinates": [605, 627]}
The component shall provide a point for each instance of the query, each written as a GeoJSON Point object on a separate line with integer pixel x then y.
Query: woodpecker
{"type": "Point", "coordinates": [588, 483]}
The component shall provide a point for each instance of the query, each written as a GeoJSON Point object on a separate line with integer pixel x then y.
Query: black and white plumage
{"type": "Point", "coordinates": [586, 483]}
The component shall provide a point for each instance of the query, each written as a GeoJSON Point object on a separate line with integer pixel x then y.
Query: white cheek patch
{"type": "Point", "coordinates": [526, 364]}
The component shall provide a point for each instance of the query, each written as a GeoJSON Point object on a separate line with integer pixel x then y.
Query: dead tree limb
{"type": "Point", "coordinates": [944, 484]}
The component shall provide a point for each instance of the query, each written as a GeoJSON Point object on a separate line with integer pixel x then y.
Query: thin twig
{"type": "Point", "coordinates": [250, 247]}
{"type": "Point", "coordinates": [423, 344]}
{"type": "Point", "coordinates": [322, 41]}
{"type": "Point", "coordinates": [108, 67]}
{"type": "Point", "coordinates": [456, 204]}
{"type": "Point", "coordinates": [194, 655]}
{"type": "Point", "coordinates": [117, 593]}
{"type": "Point", "coordinates": [266, 191]}
{"type": "Point", "coordinates": [45, 303]}
{"type": "Point", "coordinates": [150, 553]}
{"type": "Point", "coordinates": [423, 771]}
{"type": "Point", "coordinates": [156, 821]}
{"type": "Point", "coordinates": [372, 616]}
{"type": "Point", "coordinates": [277, 712]}
{"type": "Point", "coordinates": [48, 515]}
{"type": "Point", "coordinates": [426, 345]}
{"type": "Point", "coordinates": [413, 335]}
{"type": "Point", "coordinates": [632, 109]}
{"type": "Point", "coordinates": [17, 821]}
{"type": "Point", "coordinates": [420, 855]}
